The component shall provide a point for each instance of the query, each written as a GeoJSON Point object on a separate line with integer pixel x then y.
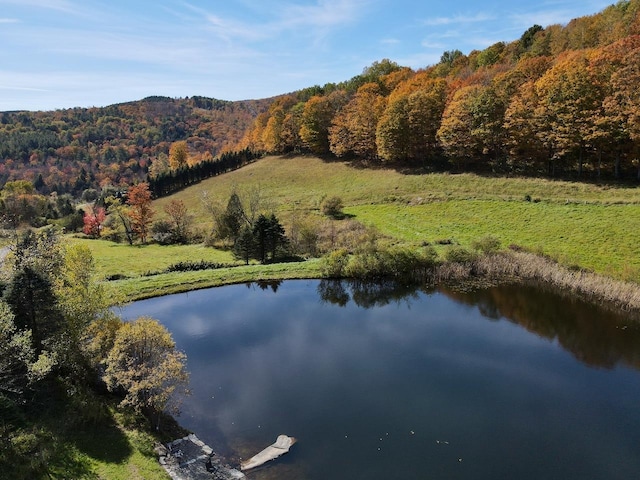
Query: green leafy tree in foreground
{"type": "Point", "coordinates": [146, 366]}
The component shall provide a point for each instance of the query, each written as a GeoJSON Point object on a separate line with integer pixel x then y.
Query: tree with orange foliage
{"type": "Point", "coordinates": [353, 130]}
{"type": "Point", "coordinates": [140, 210]}
{"type": "Point", "coordinates": [570, 104]}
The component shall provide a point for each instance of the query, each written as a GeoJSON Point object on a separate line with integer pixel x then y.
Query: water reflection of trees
{"type": "Point", "coordinates": [266, 284]}
{"type": "Point", "coordinates": [594, 335]}
{"type": "Point", "coordinates": [365, 294]}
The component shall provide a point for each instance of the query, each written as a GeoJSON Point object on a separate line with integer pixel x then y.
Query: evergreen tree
{"type": "Point", "coordinates": [276, 238]}
{"type": "Point", "coordinates": [245, 245]}
{"type": "Point", "coordinates": [33, 303]}
{"type": "Point", "coordinates": [260, 235]}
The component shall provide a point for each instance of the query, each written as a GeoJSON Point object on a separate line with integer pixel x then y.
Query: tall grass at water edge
{"type": "Point", "coordinates": [524, 266]}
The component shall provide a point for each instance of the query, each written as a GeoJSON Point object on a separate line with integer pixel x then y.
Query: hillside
{"type": "Point", "coordinates": [68, 151]}
{"type": "Point", "coordinates": [580, 224]}
{"type": "Point", "coordinates": [560, 101]}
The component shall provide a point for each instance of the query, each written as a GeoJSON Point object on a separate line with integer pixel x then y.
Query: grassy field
{"type": "Point", "coordinates": [300, 183]}
{"type": "Point", "coordinates": [585, 225]}
{"type": "Point", "coordinates": [593, 236]}
{"type": "Point", "coordinates": [134, 261]}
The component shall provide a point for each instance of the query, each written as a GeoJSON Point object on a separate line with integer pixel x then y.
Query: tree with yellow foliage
{"type": "Point", "coordinates": [178, 155]}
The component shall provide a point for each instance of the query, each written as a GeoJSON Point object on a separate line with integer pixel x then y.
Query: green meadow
{"type": "Point", "coordinates": [581, 225]}
{"type": "Point", "coordinates": [592, 236]}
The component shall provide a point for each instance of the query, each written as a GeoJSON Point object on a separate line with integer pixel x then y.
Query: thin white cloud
{"type": "Point", "coordinates": [314, 20]}
{"type": "Point", "coordinates": [325, 14]}
{"type": "Point", "coordinates": [433, 45]}
{"type": "Point", "coordinates": [22, 89]}
{"type": "Point", "coordinates": [550, 13]}
{"type": "Point", "coordinates": [542, 17]}
{"type": "Point", "coordinates": [458, 19]}
{"type": "Point", "coordinates": [9, 20]}
{"type": "Point", "coordinates": [59, 5]}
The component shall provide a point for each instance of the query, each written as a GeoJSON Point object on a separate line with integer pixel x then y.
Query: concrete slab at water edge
{"type": "Point", "coordinates": [281, 446]}
{"type": "Point", "coordinates": [189, 458]}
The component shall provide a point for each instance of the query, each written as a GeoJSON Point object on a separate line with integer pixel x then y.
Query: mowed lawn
{"type": "Point", "coordinates": [134, 261]}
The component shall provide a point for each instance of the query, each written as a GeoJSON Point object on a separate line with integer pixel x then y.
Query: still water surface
{"type": "Point", "coordinates": [379, 382]}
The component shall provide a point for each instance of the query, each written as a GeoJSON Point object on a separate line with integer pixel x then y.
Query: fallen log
{"type": "Point", "coordinates": [280, 447]}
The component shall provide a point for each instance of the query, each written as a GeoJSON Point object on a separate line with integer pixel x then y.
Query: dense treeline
{"type": "Point", "coordinates": [69, 151]}
{"type": "Point", "coordinates": [173, 180]}
{"type": "Point", "coordinates": [561, 100]}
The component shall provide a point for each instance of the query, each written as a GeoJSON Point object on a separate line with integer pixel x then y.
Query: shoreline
{"type": "Point", "coordinates": [189, 458]}
{"type": "Point", "coordinates": [485, 270]}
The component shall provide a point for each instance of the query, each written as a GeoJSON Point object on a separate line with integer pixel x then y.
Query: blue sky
{"type": "Point", "coordinates": [66, 53]}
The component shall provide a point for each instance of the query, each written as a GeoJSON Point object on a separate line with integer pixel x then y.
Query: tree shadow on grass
{"type": "Point", "coordinates": [77, 450]}
{"type": "Point", "coordinates": [106, 443]}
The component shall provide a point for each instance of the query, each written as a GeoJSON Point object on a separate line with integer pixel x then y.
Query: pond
{"type": "Point", "coordinates": [383, 382]}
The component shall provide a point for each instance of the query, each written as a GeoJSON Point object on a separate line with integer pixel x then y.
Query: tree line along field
{"type": "Point", "coordinates": [578, 224]}
{"type": "Point", "coordinates": [561, 101]}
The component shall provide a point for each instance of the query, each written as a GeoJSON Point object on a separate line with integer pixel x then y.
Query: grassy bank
{"type": "Point", "coordinates": [138, 288]}
{"type": "Point", "coordinates": [57, 441]}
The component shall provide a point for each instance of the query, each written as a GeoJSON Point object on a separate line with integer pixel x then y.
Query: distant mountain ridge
{"type": "Point", "coordinates": [70, 150]}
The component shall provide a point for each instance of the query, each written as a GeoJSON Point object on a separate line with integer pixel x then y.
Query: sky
{"type": "Point", "coordinates": [58, 54]}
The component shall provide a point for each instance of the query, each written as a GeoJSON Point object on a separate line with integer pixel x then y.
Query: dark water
{"type": "Point", "coordinates": [378, 382]}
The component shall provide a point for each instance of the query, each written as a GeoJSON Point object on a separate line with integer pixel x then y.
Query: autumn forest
{"type": "Point", "coordinates": [561, 101]}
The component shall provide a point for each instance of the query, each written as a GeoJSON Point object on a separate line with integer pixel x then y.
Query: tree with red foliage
{"type": "Point", "coordinates": [93, 220]}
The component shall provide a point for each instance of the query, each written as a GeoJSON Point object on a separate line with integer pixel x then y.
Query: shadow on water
{"type": "Point", "coordinates": [596, 336]}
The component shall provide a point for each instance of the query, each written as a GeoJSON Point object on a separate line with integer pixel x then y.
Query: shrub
{"type": "Point", "coordinates": [115, 276]}
{"type": "Point", "coordinates": [402, 265]}
{"type": "Point", "coordinates": [486, 244]}
{"type": "Point", "coordinates": [194, 266]}
{"type": "Point", "coordinates": [334, 264]}
{"type": "Point", "coordinates": [444, 241]}
{"type": "Point", "coordinates": [332, 207]}
{"type": "Point", "coordinates": [161, 232]}
{"type": "Point", "coordinates": [459, 255]}
{"type": "Point", "coordinates": [368, 265]}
